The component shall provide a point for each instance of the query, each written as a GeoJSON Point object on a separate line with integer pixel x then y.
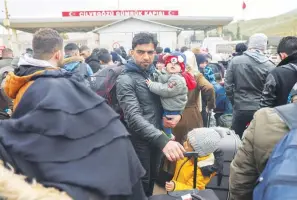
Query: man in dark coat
{"type": "Point", "coordinates": [143, 111]}
{"type": "Point", "coordinates": [63, 134]}
{"type": "Point", "coordinates": [281, 80]}
{"type": "Point", "coordinates": [245, 79]}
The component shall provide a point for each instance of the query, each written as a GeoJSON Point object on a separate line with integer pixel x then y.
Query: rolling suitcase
{"type": "Point", "coordinates": [229, 145]}
{"type": "Point", "coordinates": [196, 194]}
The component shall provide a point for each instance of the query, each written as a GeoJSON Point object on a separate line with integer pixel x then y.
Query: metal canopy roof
{"type": "Point", "coordinates": [86, 24]}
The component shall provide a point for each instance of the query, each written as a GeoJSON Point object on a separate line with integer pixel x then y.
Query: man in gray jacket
{"type": "Point", "coordinates": [143, 110]}
{"type": "Point", "coordinates": [245, 79]}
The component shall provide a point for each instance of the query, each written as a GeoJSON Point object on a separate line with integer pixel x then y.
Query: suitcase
{"type": "Point", "coordinates": [229, 145]}
{"type": "Point", "coordinates": [196, 194]}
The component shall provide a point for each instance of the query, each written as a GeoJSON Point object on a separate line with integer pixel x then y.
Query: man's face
{"type": "Point", "coordinates": [144, 55]}
{"type": "Point", "coordinates": [85, 53]}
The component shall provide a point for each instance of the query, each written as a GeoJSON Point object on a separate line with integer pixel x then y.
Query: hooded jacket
{"type": "Point", "coordinates": [260, 138]}
{"type": "Point", "coordinates": [142, 109]}
{"type": "Point", "coordinates": [59, 136]}
{"type": "Point", "coordinates": [5, 62]}
{"type": "Point", "coordinates": [245, 79]}
{"type": "Point", "coordinates": [94, 62]}
{"type": "Point", "coordinates": [77, 65]}
{"type": "Point", "coordinates": [208, 166]}
{"type": "Point", "coordinates": [279, 83]}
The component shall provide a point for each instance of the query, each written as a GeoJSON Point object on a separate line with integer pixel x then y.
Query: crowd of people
{"type": "Point", "coordinates": [60, 132]}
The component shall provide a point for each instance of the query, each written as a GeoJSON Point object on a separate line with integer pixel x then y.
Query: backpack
{"type": "Point", "coordinates": [279, 178]}
{"type": "Point", "coordinates": [221, 98]}
{"type": "Point", "coordinates": [103, 83]}
{"type": "Point", "coordinates": [225, 120]}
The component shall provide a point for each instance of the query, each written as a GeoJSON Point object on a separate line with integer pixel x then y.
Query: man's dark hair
{"type": "Point", "coordinates": [95, 51]}
{"type": "Point", "coordinates": [83, 48]}
{"type": "Point", "coordinates": [70, 49]}
{"type": "Point", "coordinates": [183, 49]}
{"type": "Point", "coordinates": [159, 50]}
{"type": "Point", "coordinates": [45, 43]}
{"type": "Point", "coordinates": [287, 45]}
{"type": "Point", "coordinates": [29, 50]}
{"type": "Point", "coordinates": [240, 48]}
{"type": "Point", "coordinates": [104, 56]}
{"type": "Point", "coordinates": [7, 52]}
{"type": "Point", "coordinates": [144, 38]}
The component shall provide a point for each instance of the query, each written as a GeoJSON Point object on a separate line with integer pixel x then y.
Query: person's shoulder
{"type": "Point", "coordinates": [267, 116]}
{"type": "Point", "coordinates": [125, 78]}
{"type": "Point", "coordinates": [238, 59]}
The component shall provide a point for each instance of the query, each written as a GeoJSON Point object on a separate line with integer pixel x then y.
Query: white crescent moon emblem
{"type": "Point", "coordinates": [172, 12]}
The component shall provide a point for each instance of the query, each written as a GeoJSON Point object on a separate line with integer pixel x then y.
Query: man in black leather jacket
{"type": "Point", "coordinates": [143, 111]}
{"type": "Point", "coordinates": [245, 79]}
{"type": "Point", "coordinates": [281, 80]}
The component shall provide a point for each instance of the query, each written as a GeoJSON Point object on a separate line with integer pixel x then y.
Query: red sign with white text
{"type": "Point", "coordinates": [121, 13]}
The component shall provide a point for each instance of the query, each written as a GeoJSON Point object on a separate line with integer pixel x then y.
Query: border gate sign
{"type": "Point", "coordinates": [121, 13]}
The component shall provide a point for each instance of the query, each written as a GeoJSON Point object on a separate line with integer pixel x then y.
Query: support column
{"type": "Point", "coordinates": [220, 31]}
{"type": "Point", "coordinates": [205, 33]}
{"type": "Point", "coordinates": [15, 42]}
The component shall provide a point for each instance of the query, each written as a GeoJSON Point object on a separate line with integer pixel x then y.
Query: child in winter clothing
{"type": "Point", "coordinates": [172, 87]}
{"type": "Point", "coordinates": [204, 141]}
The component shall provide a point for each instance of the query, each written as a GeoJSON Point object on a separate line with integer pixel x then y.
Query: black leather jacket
{"type": "Point", "coordinates": [142, 109]}
{"type": "Point", "coordinates": [245, 79]}
{"type": "Point", "coordinates": [279, 83]}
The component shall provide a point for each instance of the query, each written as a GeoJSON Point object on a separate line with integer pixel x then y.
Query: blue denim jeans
{"type": "Point", "coordinates": [168, 131]}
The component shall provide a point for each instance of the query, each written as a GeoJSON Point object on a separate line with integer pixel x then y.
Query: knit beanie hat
{"type": "Point", "coordinates": [175, 59]}
{"type": "Point", "coordinates": [167, 50]}
{"type": "Point", "coordinates": [200, 58]}
{"type": "Point", "coordinates": [204, 140]}
{"type": "Point", "coordinates": [258, 41]}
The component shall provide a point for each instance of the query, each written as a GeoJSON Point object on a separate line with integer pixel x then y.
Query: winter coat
{"type": "Point", "coordinates": [94, 62]}
{"type": "Point", "coordinates": [191, 117]}
{"type": "Point", "coordinates": [142, 109]}
{"type": "Point", "coordinates": [77, 65]}
{"type": "Point", "coordinates": [264, 132]}
{"type": "Point", "coordinates": [279, 83]}
{"type": "Point", "coordinates": [208, 166]}
{"type": "Point", "coordinates": [245, 79]}
{"type": "Point", "coordinates": [53, 136]}
{"type": "Point", "coordinates": [172, 89]}
{"type": "Point", "coordinates": [5, 62]}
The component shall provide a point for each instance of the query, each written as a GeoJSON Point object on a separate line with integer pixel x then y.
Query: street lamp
{"type": "Point", "coordinates": [6, 23]}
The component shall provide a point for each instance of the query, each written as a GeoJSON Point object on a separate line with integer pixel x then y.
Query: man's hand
{"type": "Point", "coordinates": [170, 121]}
{"type": "Point", "coordinates": [148, 81]}
{"type": "Point", "coordinates": [169, 186]}
{"type": "Point", "coordinates": [174, 151]}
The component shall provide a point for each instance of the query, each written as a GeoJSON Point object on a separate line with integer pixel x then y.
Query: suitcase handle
{"type": "Point", "coordinates": [195, 156]}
